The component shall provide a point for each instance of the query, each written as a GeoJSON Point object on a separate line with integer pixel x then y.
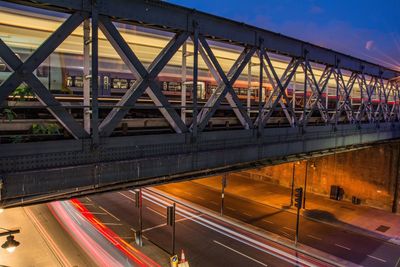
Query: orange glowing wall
{"type": "Point", "coordinates": [368, 174]}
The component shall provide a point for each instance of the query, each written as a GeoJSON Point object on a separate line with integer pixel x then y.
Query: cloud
{"type": "Point", "coordinates": [316, 10]}
{"type": "Point", "coordinates": [369, 45]}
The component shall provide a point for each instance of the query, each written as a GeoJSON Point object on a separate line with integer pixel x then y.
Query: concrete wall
{"type": "Point", "coordinates": [368, 174]}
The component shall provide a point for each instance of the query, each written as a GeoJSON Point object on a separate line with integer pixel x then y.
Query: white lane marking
{"type": "Point", "coordinates": [376, 258]}
{"type": "Point", "coordinates": [189, 218]}
{"type": "Point", "coordinates": [153, 210]}
{"type": "Point", "coordinates": [109, 213]}
{"type": "Point", "coordinates": [88, 199]}
{"type": "Point", "coordinates": [232, 209]}
{"type": "Point", "coordinates": [314, 237]}
{"type": "Point", "coordinates": [240, 253]}
{"type": "Point", "coordinates": [122, 194]}
{"type": "Point", "coordinates": [342, 246]}
{"type": "Point", "coordinates": [215, 203]}
{"type": "Point", "coordinates": [268, 221]}
{"type": "Point", "coordinates": [154, 227]}
{"type": "Point", "coordinates": [290, 229]}
{"type": "Point", "coordinates": [113, 224]}
{"type": "Point", "coordinates": [247, 214]}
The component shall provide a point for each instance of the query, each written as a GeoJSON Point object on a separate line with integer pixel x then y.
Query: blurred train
{"type": "Point", "coordinates": [62, 71]}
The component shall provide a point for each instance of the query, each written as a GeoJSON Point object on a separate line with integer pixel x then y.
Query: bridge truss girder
{"type": "Point", "coordinates": [23, 173]}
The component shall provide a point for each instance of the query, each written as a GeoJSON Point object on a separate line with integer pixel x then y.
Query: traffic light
{"type": "Point", "coordinates": [298, 197]}
{"type": "Point", "coordinates": [170, 215]}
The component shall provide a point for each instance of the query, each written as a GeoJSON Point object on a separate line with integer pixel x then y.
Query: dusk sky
{"type": "Point", "coordinates": [368, 29]}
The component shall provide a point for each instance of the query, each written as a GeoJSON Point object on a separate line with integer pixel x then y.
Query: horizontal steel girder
{"type": "Point", "coordinates": [177, 18]}
{"type": "Point", "coordinates": [69, 168]}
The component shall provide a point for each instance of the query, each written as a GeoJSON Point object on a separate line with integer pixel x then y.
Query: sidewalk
{"type": "Point", "coordinates": [365, 220]}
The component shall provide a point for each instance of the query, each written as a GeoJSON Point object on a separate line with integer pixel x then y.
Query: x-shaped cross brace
{"type": "Point", "coordinates": [224, 88]}
{"type": "Point", "coordinates": [145, 83]}
{"type": "Point", "coordinates": [23, 72]}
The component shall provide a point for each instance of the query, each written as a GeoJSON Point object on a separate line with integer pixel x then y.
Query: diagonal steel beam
{"type": "Point", "coordinates": [318, 89]}
{"type": "Point", "coordinates": [345, 91]}
{"type": "Point", "coordinates": [275, 90]}
{"type": "Point", "coordinates": [225, 87]}
{"type": "Point", "coordinates": [145, 79]}
{"type": "Point", "coordinates": [286, 78]}
{"type": "Point", "coordinates": [40, 54]}
{"type": "Point", "coordinates": [23, 73]}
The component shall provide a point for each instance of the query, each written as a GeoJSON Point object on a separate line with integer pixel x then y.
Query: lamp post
{"type": "Point", "coordinates": [11, 244]}
{"type": "Point", "coordinates": [313, 166]}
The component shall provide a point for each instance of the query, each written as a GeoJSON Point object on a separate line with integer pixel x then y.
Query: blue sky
{"type": "Point", "coordinates": [363, 28]}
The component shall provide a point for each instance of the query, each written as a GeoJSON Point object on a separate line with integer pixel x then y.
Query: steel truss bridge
{"type": "Point", "coordinates": [366, 110]}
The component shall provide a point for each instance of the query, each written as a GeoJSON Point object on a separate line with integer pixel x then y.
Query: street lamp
{"type": "Point", "coordinates": [11, 244]}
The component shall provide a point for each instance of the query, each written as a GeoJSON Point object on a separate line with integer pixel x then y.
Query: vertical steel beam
{"type": "Point", "coordinates": [260, 88]}
{"type": "Point", "coordinates": [86, 75]}
{"type": "Point", "coordinates": [183, 80]}
{"type": "Point", "coordinates": [195, 77]}
{"type": "Point", "coordinates": [95, 73]}
{"type": "Point", "coordinates": [249, 87]}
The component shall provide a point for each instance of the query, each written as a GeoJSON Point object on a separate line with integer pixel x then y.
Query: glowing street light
{"type": "Point", "coordinates": [11, 244]}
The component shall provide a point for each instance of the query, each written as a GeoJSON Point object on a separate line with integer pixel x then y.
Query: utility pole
{"type": "Point", "coordinates": [223, 185]}
{"type": "Point", "coordinates": [298, 203]}
{"type": "Point", "coordinates": [171, 222]}
{"type": "Point", "coordinates": [138, 204]}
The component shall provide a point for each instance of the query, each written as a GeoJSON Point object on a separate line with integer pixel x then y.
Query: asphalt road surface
{"type": "Point", "coordinates": [359, 249]}
{"type": "Point", "coordinates": [205, 240]}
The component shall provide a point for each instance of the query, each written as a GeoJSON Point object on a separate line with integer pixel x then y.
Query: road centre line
{"type": "Point", "coordinates": [154, 227]}
{"type": "Point", "coordinates": [240, 253]}
{"type": "Point", "coordinates": [314, 237]}
{"type": "Point", "coordinates": [342, 246]}
{"type": "Point", "coordinates": [109, 213]}
{"type": "Point", "coordinates": [290, 229]}
{"type": "Point", "coordinates": [376, 258]}
{"type": "Point", "coordinates": [270, 222]}
{"type": "Point", "coordinates": [122, 194]}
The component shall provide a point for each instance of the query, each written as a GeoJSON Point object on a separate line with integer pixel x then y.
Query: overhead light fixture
{"type": "Point", "coordinates": [11, 244]}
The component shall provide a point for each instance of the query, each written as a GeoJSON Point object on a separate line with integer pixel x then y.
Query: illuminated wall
{"type": "Point", "coordinates": [368, 174]}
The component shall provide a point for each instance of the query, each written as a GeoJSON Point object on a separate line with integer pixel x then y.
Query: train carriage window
{"type": "Point", "coordinates": [165, 86]}
{"type": "Point", "coordinates": [116, 83]}
{"type": "Point", "coordinates": [70, 81]}
{"type": "Point", "coordinates": [79, 81]}
{"type": "Point", "coordinates": [174, 86]}
{"type": "Point", "coordinates": [123, 83]}
{"type": "Point", "coordinates": [106, 83]}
